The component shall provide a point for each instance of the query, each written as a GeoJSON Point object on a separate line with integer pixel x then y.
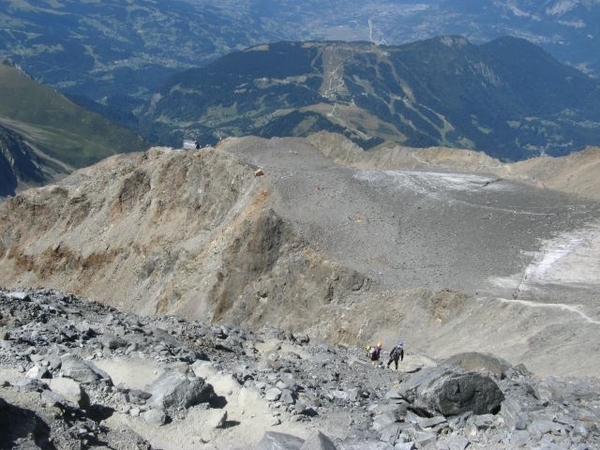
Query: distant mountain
{"type": "Point", "coordinates": [567, 29]}
{"type": "Point", "coordinates": [42, 133]}
{"type": "Point", "coordinates": [507, 98]}
{"type": "Point", "coordinates": [118, 53]}
{"type": "Point", "coordinates": [114, 52]}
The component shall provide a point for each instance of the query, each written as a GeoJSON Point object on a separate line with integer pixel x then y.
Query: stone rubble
{"type": "Point", "coordinates": [471, 400]}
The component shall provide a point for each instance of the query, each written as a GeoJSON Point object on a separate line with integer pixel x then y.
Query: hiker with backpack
{"type": "Point", "coordinates": [374, 352]}
{"type": "Point", "coordinates": [396, 354]}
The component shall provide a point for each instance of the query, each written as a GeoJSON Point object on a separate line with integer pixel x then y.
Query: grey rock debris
{"type": "Point", "coordinates": [61, 395]}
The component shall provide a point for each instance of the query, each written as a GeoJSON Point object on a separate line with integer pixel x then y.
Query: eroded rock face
{"type": "Point", "coordinates": [468, 401]}
{"type": "Point", "coordinates": [140, 230]}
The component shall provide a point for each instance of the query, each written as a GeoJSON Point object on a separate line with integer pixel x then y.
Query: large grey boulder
{"type": "Point", "coordinates": [154, 417]}
{"type": "Point", "coordinates": [70, 390]}
{"type": "Point", "coordinates": [273, 394]}
{"type": "Point", "coordinates": [457, 393]}
{"type": "Point", "coordinates": [81, 371]}
{"type": "Point", "coordinates": [272, 440]}
{"type": "Point", "coordinates": [370, 445]}
{"type": "Point", "coordinates": [318, 441]}
{"type": "Point", "coordinates": [176, 390]}
{"type": "Point", "coordinates": [514, 416]}
{"type": "Point", "coordinates": [448, 391]}
{"type": "Point", "coordinates": [112, 341]}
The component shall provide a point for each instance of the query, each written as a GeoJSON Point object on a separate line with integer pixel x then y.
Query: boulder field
{"type": "Point", "coordinates": [78, 374]}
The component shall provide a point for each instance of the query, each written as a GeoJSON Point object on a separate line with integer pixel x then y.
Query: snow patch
{"type": "Point", "coordinates": [571, 258]}
{"type": "Point", "coordinates": [430, 182]}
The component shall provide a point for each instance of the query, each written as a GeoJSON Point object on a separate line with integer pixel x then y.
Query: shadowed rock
{"type": "Point", "coordinates": [20, 424]}
{"type": "Point", "coordinates": [449, 392]}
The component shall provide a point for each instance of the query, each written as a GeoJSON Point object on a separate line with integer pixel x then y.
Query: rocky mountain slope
{"type": "Point", "coordinates": [507, 98]}
{"type": "Point", "coordinates": [18, 163]}
{"type": "Point", "coordinates": [119, 53]}
{"type": "Point", "coordinates": [278, 231]}
{"type": "Point", "coordinates": [76, 374]}
{"type": "Point", "coordinates": [45, 135]}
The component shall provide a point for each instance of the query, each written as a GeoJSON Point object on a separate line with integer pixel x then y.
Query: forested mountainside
{"type": "Point", "coordinates": [507, 98]}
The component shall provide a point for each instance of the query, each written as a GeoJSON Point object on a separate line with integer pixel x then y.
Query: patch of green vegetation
{"type": "Point", "coordinates": [483, 129]}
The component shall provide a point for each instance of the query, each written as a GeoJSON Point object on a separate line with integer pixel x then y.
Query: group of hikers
{"type": "Point", "coordinates": [397, 353]}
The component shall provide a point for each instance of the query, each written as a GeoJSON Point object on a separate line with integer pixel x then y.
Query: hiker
{"type": "Point", "coordinates": [396, 354]}
{"type": "Point", "coordinates": [374, 352]}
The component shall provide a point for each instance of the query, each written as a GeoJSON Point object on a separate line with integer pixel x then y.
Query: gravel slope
{"type": "Point", "coordinates": [433, 229]}
{"type": "Point", "coordinates": [525, 256]}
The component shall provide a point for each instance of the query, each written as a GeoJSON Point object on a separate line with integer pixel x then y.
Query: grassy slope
{"type": "Point", "coordinates": [57, 126]}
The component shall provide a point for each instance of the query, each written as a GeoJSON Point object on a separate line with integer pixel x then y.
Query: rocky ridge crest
{"type": "Point", "coordinates": [353, 252]}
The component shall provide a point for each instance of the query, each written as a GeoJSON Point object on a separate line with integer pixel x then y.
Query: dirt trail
{"type": "Point", "coordinates": [561, 306]}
